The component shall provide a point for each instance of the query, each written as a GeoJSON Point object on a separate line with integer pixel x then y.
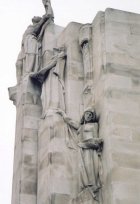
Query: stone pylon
{"type": "Point", "coordinates": [78, 106]}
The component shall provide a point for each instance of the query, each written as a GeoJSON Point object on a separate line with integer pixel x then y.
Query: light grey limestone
{"type": "Point", "coordinates": [117, 99]}
{"type": "Point", "coordinates": [78, 104]}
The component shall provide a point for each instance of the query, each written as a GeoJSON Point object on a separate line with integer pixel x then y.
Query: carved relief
{"type": "Point", "coordinates": [68, 148]}
{"type": "Point", "coordinates": [90, 154]}
{"type": "Point", "coordinates": [89, 142]}
{"type": "Point", "coordinates": [52, 79]}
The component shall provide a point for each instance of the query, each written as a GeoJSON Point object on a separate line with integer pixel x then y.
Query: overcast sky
{"type": "Point", "coordinates": [15, 16]}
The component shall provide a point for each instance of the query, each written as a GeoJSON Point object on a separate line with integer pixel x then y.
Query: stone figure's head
{"type": "Point", "coordinates": [89, 116]}
{"type": "Point", "coordinates": [36, 19]}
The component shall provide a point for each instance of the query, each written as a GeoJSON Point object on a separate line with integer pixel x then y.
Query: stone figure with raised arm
{"type": "Point", "coordinates": [49, 15]}
{"type": "Point", "coordinates": [29, 48]}
{"type": "Point", "coordinates": [28, 58]}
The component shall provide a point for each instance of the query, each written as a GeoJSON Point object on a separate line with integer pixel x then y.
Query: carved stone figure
{"type": "Point", "coordinates": [90, 148]}
{"type": "Point", "coordinates": [57, 131]}
{"type": "Point", "coordinates": [28, 58]}
{"type": "Point", "coordinates": [53, 91]}
{"type": "Point", "coordinates": [30, 48]}
{"type": "Point", "coordinates": [89, 143]}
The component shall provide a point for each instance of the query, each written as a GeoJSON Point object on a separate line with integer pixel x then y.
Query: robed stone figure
{"type": "Point", "coordinates": [57, 157]}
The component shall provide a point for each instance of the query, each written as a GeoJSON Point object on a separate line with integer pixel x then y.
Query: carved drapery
{"type": "Point", "coordinates": [90, 155]}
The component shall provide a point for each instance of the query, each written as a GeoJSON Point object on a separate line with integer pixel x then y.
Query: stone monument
{"type": "Point", "coordinates": [77, 100]}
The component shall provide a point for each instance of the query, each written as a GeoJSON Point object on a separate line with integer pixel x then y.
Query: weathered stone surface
{"type": "Point", "coordinates": [118, 105]}
{"type": "Point", "coordinates": [28, 199]}
{"type": "Point", "coordinates": [83, 71]}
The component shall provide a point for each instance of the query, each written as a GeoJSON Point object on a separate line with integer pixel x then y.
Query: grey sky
{"type": "Point", "coordinates": [15, 16]}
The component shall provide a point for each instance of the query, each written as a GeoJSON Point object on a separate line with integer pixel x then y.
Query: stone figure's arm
{"type": "Point", "coordinates": [68, 120]}
{"type": "Point", "coordinates": [39, 25]}
{"type": "Point", "coordinates": [49, 19]}
{"type": "Point", "coordinates": [71, 122]}
{"type": "Point", "coordinates": [39, 76]}
{"type": "Point", "coordinates": [42, 30]}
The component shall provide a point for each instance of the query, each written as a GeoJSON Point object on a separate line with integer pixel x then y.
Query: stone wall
{"type": "Point", "coordinates": [29, 111]}
{"type": "Point", "coordinates": [117, 96]}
